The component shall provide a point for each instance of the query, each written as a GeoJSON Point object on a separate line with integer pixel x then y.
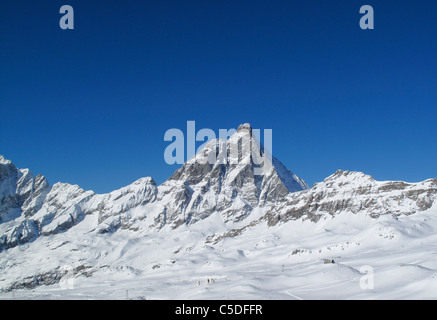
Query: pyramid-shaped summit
{"type": "Point", "coordinates": [233, 176]}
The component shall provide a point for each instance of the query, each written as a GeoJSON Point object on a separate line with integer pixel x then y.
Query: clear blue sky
{"type": "Point", "coordinates": [90, 106]}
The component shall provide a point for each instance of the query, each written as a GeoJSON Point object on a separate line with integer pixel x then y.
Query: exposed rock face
{"type": "Point", "coordinates": [50, 277]}
{"type": "Point", "coordinates": [64, 207]}
{"type": "Point", "coordinates": [232, 183]}
{"type": "Point", "coordinates": [20, 191]}
{"type": "Point", "coordinates": [61, 208]}
{"type": "Point", "coordinates": [115, 208]}
{"type": "Point", "coordinates": [355, 192]}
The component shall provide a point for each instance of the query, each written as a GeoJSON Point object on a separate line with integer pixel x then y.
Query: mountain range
{"type": "Point", "coordinates": [221, 229]}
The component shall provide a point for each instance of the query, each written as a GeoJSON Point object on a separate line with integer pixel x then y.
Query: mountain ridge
{"type": "Point", "coordinates": [47, 210]}
{"type": "Point", "coordinates": [220, 207]}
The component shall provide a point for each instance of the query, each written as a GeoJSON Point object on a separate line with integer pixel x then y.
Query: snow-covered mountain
{"type": "Point", "coordinates": [195, 191]}
{"type": "Point", "coordinates": [240, 224]}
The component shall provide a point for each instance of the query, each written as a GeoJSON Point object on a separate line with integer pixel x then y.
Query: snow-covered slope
{"type": "Point", "coordinates": [250, 235]}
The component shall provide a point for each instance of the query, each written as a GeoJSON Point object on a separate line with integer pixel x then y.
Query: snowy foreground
{"type": "Point", "coordinates": [283, 262]}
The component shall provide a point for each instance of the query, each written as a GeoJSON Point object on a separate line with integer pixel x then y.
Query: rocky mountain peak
{"type": "Point", "coordinates": [244, 127]}
{"type": "Point", "coordinates": [3, 160]}
{"type": "Point", "coordinates": [145, 181]}
{"type": "Point", "coordinates": [224, 177]}
{"type": "Point", "coordinates": [233, 161]}
{"type": "Point", "coordinates": [342, 177]}
{"type": "Point", "coordinates": [21, 193]}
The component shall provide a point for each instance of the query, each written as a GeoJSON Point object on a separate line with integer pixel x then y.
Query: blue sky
{"type": "Point", "coordinates": [90, 106]}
